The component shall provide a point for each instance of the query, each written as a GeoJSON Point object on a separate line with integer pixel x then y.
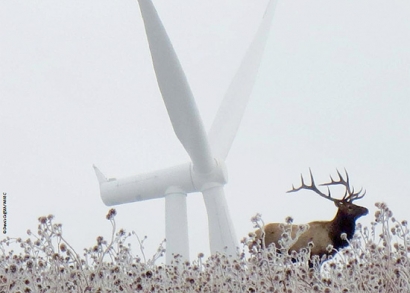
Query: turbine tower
{"type": "Point", "coordinates": [206, 172]}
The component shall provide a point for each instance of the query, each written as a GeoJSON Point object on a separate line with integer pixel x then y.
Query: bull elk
{"type": "Point", "coordinates": [322, 233]}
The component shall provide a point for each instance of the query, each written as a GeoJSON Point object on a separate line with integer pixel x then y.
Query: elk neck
{"type": "Point", "coordinates": [342, 223]}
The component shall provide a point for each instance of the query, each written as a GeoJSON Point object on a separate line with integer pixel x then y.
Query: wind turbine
{"type": "Point", "coordinates": [206, 172]}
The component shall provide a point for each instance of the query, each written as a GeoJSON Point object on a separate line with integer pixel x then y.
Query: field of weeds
{"type": "Point", "coordinates": [377, 260]}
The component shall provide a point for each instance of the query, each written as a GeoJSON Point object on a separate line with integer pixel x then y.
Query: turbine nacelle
{"type": "Point", "coordinates": [157, 184]}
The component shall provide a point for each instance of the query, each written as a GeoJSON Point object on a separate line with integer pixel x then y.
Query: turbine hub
{"type": "Point", "coordinates": [217, 177]}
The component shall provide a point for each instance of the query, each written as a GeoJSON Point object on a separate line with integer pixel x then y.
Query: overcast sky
{"type": "Point", "coordinates": [77, 88]}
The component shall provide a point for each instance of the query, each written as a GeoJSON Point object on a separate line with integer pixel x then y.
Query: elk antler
{"type": "Point", "coordinates": [349, 195]}
{"type": "Point", "coordinates": [313, 187]}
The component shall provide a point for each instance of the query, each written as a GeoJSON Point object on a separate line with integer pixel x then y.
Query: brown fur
{"type": "Point", "coordinates": [273, 233]}
{"type": "Point", "coordinates": [320, 233]}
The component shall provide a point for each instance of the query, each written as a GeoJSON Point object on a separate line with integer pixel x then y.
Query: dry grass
{"type": "Point", "coordinates": [377, 260]}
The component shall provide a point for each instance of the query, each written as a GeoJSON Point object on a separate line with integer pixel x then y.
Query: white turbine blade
{"type": "Point", "coordinates": [229, 115]}
{"type": "Point", "coordinates": [176, 226]}
{"type": "Point", "coordinates": [175, 91]}
{"type": "Point", "coordinates": [222, 235]}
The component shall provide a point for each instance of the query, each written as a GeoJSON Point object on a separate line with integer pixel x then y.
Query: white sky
{"type": "Point", "coordinates": [77, 88]}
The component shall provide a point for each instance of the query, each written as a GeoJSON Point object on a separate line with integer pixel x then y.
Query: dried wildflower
{"type": "Point", "coordinates": [63, 247]}
{"type": "Point", "coordinates": [111, 214]}
{"type": "Point", "coordinates": [121, 232]}
{"type": "Point", "coordinates": [329, 248]}
{"type": "Point", "coordinates": [303, 228]}
{"type": "Point", "coordinates": [30, 264]}
{"type": "Point", "coordinates": [13, 268]}
{"type": "Point", "coordinates": [100, 240]}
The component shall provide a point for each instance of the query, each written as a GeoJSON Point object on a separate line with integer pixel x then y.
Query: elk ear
{"type": "Point", "coordinates": [338, 203]}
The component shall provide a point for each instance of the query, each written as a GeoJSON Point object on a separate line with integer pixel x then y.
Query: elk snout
{"type": "Point", "coordinates": [363, 211]}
